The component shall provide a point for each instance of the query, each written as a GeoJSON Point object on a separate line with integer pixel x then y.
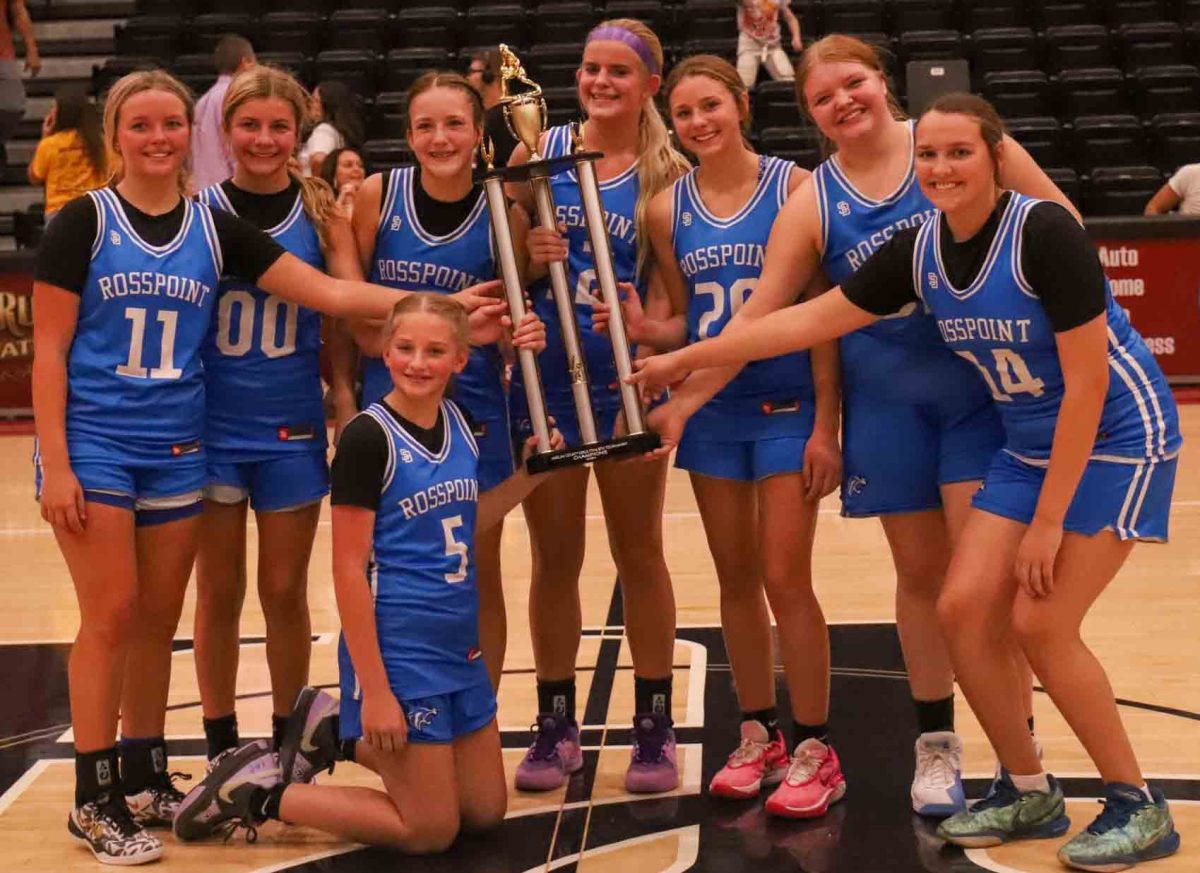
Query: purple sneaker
{"type": "Point", "coordinates": [554, 755]}
{"type": "Point", "coordinates": [652, 764]}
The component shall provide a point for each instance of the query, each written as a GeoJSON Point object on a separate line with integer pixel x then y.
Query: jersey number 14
{"type": "Point", "coordinates": [1014, 374]}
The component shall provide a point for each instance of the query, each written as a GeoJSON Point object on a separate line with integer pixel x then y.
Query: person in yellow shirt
{"type": "Point", "coordinates": [70, 158]}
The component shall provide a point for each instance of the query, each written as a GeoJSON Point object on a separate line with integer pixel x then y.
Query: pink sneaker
{"type": "Point", "coordinates": [813, 782]}
{"type": "Point", "coordinates": [759, 760]}
{"type": "Point", "coordinates": [554, 755]}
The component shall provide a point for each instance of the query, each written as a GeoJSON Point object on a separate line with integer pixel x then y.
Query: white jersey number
{"type": "Point", "coordinates": [166, 369]}
{"type": "Point", "coordinates": [454, 547]}
{"type": "Point", "coordinates": [269, 342]}
{"type": "Point", "coordinates": [1014, 374]}
{"type": "Point", "coordinates": [739, 292]}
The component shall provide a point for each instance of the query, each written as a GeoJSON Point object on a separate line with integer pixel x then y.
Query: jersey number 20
{"type": "Point", "coordinates": [739, 291]}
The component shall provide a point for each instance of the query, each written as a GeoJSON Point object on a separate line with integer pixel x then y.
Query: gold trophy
{"type": "Point", "coordinates": [525, 115]}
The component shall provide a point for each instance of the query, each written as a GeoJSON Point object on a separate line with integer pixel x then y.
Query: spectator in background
{"type": "Point", "coordinates": [344, 170]}
{"type": "Point", "coordinates": [337, 123]}
{"type": "Point", "coordinates": [12, 89]}
{"type": "Point", "coordinates": [760, 40]}
{"type": "Point", "coordinates": [484, 76]}
{"type": "Point", "coordinates": [212, 162]}
{"type": "Point", "coordinates": [70, 158]}
{"type": "Point", "coordinates": [1181, 193]}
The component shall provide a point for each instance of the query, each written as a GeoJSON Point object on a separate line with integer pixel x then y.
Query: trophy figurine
{"type": "Point", "coordinates": [525, 114]}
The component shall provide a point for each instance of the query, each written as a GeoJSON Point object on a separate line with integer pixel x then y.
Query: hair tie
{"type": "Point", "coordinates": [613, 33]}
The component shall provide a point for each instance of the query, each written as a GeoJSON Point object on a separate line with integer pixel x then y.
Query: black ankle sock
{"type": "Point", "coordinates": [935, 715]}
{"type": "Point", "coordinates": [652, 695]}
{"type": "Point", "coordinates": [557, 697]}
{"type": "Point", "coordinates": [264, 802]}
{"type": "Point", "coordinates": [802, 732]}
{"type": "Point", "coordinates": [1029, 721]}
{"type": "Point", "coordinates": [349, 748]}
{"type": "Point", "coordinates": [96, 774]}
{"type": "Point", "coordinates": [278, 725]}
{"type": "Point", "coordinates": [143, 761]}
{"type": "Point", "coordinates": [220, 734]}
{"type": "Point", "coordinates": [768, 718]}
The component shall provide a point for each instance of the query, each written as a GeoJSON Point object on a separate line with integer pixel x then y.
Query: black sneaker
{"type": "Point", "coordinates": [107, 828]}
{"type": "Point", "coordinates": [310, 739]}
{"type": "Point", "coordinates": [155, 805]}
{"type": "Point", "coordinates": [221, 802]}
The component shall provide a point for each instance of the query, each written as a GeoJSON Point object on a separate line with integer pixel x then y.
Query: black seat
{"type": "Point", "coordinates": [401, 67]}
{"type": "Point", "coordinates": [1043, 138]}
{"type": "Point", "coordinates": [248, 7]}
{"type": "Point", "coordinates": [707, 19]}
{"type": "Point", "coordinates": [1068, 182]}
{"type": "Point", "coordinates": [979, 15]}
{"type": "Point", "coordinates": [208, 29]}
{"type": "Point", "coordinates": [930, 45]}
{"type": "Point", "coordinates": [854, 16]}
{"type": "Point", "coordinates": [321, 7]}
{"type": "Point", "coordinates": [1189, 11]}
{"type": "Point", "coordinates": [562, 104]}
{"type": "Point", "coordinates": [425, 26]}
{"type": "Point", "coordinates": [799, 144]}
{"type": "Point", "coordinates": [114, 68]}
{"type": "Point", "coordinates": [563, 22]}
{"type": "Point", "coordinates": [913, 15]}
{"type": "Point", "coordinates": [1019, 93]}
{"type": "Point", "coordinates": [1108, 141]}
{"type": "Point", "coordinates": [494, 24]}
{"type": "Point", "coordinates": [150, 35]}
{"type": "Point", "coordinates": [299, 65]}
{"type": "Point", "coordinates": [1078, 46]}
{"type": "Point", "coordinates": [1174, 88]}
{"type": "Point", "coordinates": [1176, 140]}
{"type": "Point", "coordinates": [657, 15]}
{"type": "Point", "coordinates": [1145, 44]}
{"type": "Point", "coordinates": [389, 115]}
{"type": "Point", "coordinates": [1136, 11]}
{"type": "Point", "coordinates": [1092, 92]}
{"type": "Point", "coordinates": [1069, 12]}
{"type": "Point", "coordinates": [775, 105]}
{"type": "Point", "coordinates": [195, 71]}
{"type": "Point", "coordinates": [722, 47]}
{"type": "Point", "coordinates": [554, 64]}
{"type": "Point", "coordinates": [290, 32]}
{"type": "Point", "coordinates": [355, 67]}
{"type": "Point", "coordinates": [1003, 48]}
{"type": "Point", "coordinates": [1121, 190]}
{"type": "Point", "coordinates": [357, 29]}
{"type": "Point", "coordinates": [384, 154]}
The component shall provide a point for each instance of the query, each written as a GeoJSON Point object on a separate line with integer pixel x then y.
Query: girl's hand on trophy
{"type": "Point", "coordinates": [657, 373]}
{"type": "Point", "coordinates": [487, 323]}
{"type": "Point", "coordinates": [668, 422]}
{"type": "Point", "coordinates": [531, 444]}
{"type": "Point", "coordinates": [484, 294]}
{"type": "Point", "coordinates": [547, 244]}
{"type": "Point", "coordinates": [631, 312]}
{"type": "Point", "coordinates": [530, 332]}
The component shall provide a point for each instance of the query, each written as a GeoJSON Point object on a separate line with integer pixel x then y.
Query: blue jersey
{"type": "Point", "coordinates": [426, 603]}
{"type": "Point", "coordinates": [409, 258]}
{"type": "Point", "coordinates": [721, 260]}
{"type": "Point", "coordinates": [898, 358]}
{"type": "Point", "coordinates": [261, 358]}
{"type": "Point", "coordinates": [998, 325]}
{"type": "Point", "coordinates": [135, 383]}
{"type": "Point", "coordinates": [620, 195]}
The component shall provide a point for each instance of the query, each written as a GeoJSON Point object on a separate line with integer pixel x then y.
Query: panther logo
{"type": "Point", "coordinates": [421, 717]}
{"type": "Point", "coordinates": [855, 485]}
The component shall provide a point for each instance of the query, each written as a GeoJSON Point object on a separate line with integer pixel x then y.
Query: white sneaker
{"type": "Point", "coordinates": [937, 787]}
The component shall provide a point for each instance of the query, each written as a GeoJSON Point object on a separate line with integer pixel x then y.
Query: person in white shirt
{"type": "Point", "coordinates": [760, 40]}
{"type": "Point", "coordinates": [335, 114]}
{"type": "Point", "coordinates": [1181, 193]}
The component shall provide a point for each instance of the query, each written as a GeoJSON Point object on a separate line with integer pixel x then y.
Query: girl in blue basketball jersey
{"type": "Point", "coordinates": [417, 705]}
{"type": "Point", "coordinates": [427, 227]}
{"type": "Point", "coordinates": [1087, 469]}
{"type": "Point", "coordinates": [763, 451]}
{"type": "Point", "coordinates": [124, 294]}
{"type": "Point", "coordinates": [918, 430]}
{"type": "Point", "coordinates": [617, 80]}
{"type": "Point", "coordinates": [265, 431]}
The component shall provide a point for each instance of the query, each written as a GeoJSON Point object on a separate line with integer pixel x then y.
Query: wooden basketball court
{"type": "Point", "coordinates": [1144, 629]}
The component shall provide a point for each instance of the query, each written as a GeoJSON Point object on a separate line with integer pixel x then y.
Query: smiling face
{"type": "Point", "coordinates": [846, 99]}
{"type": "Point", "coordinates": [349, 169]}
{"type": "Point", "coordinates": [153, 134]}
{"type": "Point", "coordinates": [442, 131]}
{"type": "Point", "coordinates": [422, 354]}
{"type": "Point", "coordinates": [706, 116]}
{"type": "Point", "coordinates": [955, 166]}
{"type": "Point", "coordinates": [613, 82]}
{"type": "Point", "coordinates": [262, 135]}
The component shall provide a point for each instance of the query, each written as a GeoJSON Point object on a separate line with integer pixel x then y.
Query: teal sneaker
{"type": "Point", "coordinates": [1008, 814]}
{"type": "Point", "coordinates": [1129, 830]}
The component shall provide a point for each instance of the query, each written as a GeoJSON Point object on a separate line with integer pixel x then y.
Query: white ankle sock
{"type": "Point", "coordinates": [1036, 782]}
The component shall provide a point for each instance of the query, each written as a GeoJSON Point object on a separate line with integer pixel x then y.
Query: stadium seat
{"type": "Point", "coordinates": [177, 8]}
{"type": "Point", "coordinates": [1174, 88]}
{"type": "Point", "coordinates": [1136, 11]}
{"type": "Point", "coordinates": [930, 45]}
{"type": "Point", "coordinates": [1019, 93]}
{"type": "Point", "coordinates": [115, 68]}
{"type": "Point", "coordinates": [401, 67]}
{"type": "Point", "coordinates": [150, 35]}
{"type": "Point", "coordinates": [494, 24]}
{"type": "Point", "coordinates": [1065, 14]}
{"type": "Point", "coordinates": [1092, 92]}
{"type": "Point", "coordinates": [1145, 44]}
{"type": "Point", "coordinates": [247, 7]}
{"type": "Point", "coordinates": [418, 26]}
{"type": "Point", "coordinates": [917, 15]}
{"type": "Point", "coordinates": [799, 144]}
{"type": "Point", "coordinates": [1068, 182]}
{"type": "Point", "coordinates": [1189, 11]}
{"type": "Point", "coordinates": [990, 14]}
{"type": "Point", "coordinates": [562, 104]}
{"type": "Point", "coordinates": [854, 16]}
{"type": "Point", "coordinates": [707, 19]}
{"type": "Point", "coordinates": [554, 64]}
{"type": "Point", "coordinates": [357, 29]}
{"type": "Point", "coordinates": [389, 115]}
{"type": "Point", "coordinates": [1003, 48]}
{"type": "Point", "coordinates": [562, 22]}
{"type": "Point", "coordinates": [290, 32]}
{"type": "Point", "coordinates": [655, 14]}
{"type": "Point", "coordinates": [355, 67]}
{"type": "Point", "coordinates": [1176, 140]}
{"type": "Point", "coordinates": [1120, 190]}
{"type": "Point", "coordinates": [299, 65]}
{"type": "Point", "coordinates": [775, 105]}
{"type": "Point", "coordinates": [1078, 46]}
{"type": "Point", "coordinates": [208, 29]}
{"type": "Point", "coordinates": [195, 71]}
{"type": "Point", "coordinates": [321, 7]}
{"type": "Point", "coordinates": [384, 154]}
{"type": "Point", "coordinates": [1107, 141]}
{"type": "Point", "coordinates": [1043, 138]}
{"type": "Point", "coordinates": [723, 47]}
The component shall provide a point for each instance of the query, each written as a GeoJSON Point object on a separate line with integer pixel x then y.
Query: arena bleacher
{"type": "Point", "coordinates": [1104, 94]}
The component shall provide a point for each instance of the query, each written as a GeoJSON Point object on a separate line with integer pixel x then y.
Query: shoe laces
{"type": "Point", "coordinates": [228, 829]}
{"type": "Point", "coordinates": [164, 785]}
{"type": "Point", "coordinates": [545, 743]}
{"type": "Point", "coordinates": [116, 813]}
{"type": "Point", "coordinates": [747, 752]}
{"type": "Point", "coordinates": [1000, 793]}
{"type": "Point", "coordinates": [1116, 814]}
{"type": "Point", "coordinates": [936, 762]}
{"type": "Point", "coordinates": [806, 762]}
{"type": "Point", "coordinates": [648, 743]}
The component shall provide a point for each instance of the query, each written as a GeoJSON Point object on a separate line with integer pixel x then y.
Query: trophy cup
{"type": "Point", "coordinates": [525, 115]}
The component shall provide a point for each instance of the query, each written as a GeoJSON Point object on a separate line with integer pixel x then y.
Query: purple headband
{"type": "Point", "coordinates": [619, 34]}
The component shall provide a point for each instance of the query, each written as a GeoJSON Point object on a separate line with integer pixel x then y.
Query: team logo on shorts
{"type": "Point", "coordinates": [406, 456]}
{"type": "Point", "coordinates": [843, 208]}
{"type": "Point", "coordinates": [933, 280]}
{"type": "Point", "coordinates": [421, 717]}
{"type": "Point", "coordinates": [855, 485]}
{"type": "Point", "coordinates": [474, 654]}
{"type": "Point", "coordinates": [686, 218]}
{"type": "Point", "coordinates": [114, 237]}
{"type": "Point", "coordinates": [396, 222]}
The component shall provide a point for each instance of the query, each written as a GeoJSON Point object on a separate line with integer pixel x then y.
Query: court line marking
{"type": "Point", "coordinates": [27, 778]}
{"type": "Point", "coordinates": [307, 859]}
{"type": "Point", "coordinates": [686, 855]}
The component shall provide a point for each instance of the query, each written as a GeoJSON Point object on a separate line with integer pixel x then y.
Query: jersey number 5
{"type": "Point", "coordinates": [1014, 374]}
{"type": "Point", "coordinates": [454, 547]}
{"type": "Point", "coordinates": [269, 342]}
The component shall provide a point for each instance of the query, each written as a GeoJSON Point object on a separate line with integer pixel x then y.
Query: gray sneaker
{"type": "Point", "coordinates": [221, 802]}
{"type": "Point", "coordinates": [310, 739]}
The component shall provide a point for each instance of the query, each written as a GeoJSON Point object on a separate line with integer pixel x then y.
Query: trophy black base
{"type": "Point", "coordinates": [618, 447]}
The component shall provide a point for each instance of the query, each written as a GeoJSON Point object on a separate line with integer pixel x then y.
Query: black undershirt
{"type": "Point", "coordinates": [1057, 257]}
{"type": "Point", "coordinates": [65, 253]}
{"type": "Point", "coordinates": [496, 129]}
{"type": "Point", "coordinates": [356, 476]}
{"type": "Point", "coordinates": [264, 211]}
{"type": "Point", "coordinates": [442, 217]}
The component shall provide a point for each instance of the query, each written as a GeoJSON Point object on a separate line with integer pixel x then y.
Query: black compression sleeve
{"type": "Point", "coordinates": [356, 477]}
{"type": "Point", "coordinates": [1061, 263]}
{"type": "Point", "coordinates": [246, 250]}
{"type": "Point", "coordinates": [66, 249]}
{"type": "Point", "coordinates": [884, 284]}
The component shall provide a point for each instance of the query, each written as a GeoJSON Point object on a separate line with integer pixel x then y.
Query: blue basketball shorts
{"type": "Point", "coordinates": [441, 718]}
{"type": "Point", "coordinates": [896, 456]}
{"type": "Point", "coordinates": [279, 484]}
{"type": "Point", "coordinates": [1133, 500]}
{"type": "Point", "coordinates": [495, 440]}
{"type": "Point", "coordinates": [564, 417]}
{"type": "Point", "coordinates": [747, 440]}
